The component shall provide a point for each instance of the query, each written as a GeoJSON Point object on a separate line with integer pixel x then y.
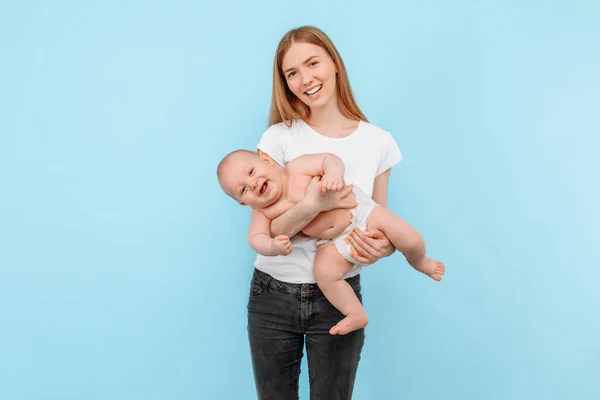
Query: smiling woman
{"type": "Point", "coordinates": [309, 73]}
{"type": "Point", "coordinates": [312, 111]}
{"type": "Point", "coordinates": [311, 80]}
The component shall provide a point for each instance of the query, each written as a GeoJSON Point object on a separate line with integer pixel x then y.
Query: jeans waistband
{"type": "Point", "coordinates": [267, 281]}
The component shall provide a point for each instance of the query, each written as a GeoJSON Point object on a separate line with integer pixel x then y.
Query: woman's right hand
{"type": "Point", "coordinates": [325, 201]}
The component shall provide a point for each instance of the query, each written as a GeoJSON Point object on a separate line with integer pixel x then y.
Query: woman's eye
{"type": "Point", "coordinates": [291, 74]}
{"type": "Point", "coordinates": [312, 64]}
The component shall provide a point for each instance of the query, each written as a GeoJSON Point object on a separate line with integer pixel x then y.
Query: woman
{"type": "Point", "coordinates": [313, 111]}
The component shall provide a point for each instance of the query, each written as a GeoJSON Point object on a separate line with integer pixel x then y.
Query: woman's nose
{"type": "Point", "coordinates": [306, 79]}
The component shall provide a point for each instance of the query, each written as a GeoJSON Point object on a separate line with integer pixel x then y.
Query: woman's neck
{"type": "Point", "coordinates": [329, 121]}
{"type": "Point", "coordinates": [326, 116]}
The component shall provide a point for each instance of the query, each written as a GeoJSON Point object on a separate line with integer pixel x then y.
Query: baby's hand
{"type": "Point", "coordinates": [332, 183]}
{"type": "Point", "coordinates": [281, 245]}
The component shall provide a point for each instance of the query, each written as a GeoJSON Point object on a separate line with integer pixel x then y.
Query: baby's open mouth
{"type": "Point", "coordinates": [263, 188]}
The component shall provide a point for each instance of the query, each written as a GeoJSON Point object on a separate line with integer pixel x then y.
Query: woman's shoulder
{"type": "Point", "coordinates": [374, 131]}
{"type": "Point", "coordinates": [280, 134]}
{"type": "Point", "coordinates": [285, 128]}
{"type": "Point", "coordinates": [280, 128]}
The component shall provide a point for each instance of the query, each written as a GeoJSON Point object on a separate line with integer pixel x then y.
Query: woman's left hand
{"type": "Point", "coordinates": [369, 246]}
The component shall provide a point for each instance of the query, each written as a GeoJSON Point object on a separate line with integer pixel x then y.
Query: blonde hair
{"type": "Point", "coordinates": [285, 106]}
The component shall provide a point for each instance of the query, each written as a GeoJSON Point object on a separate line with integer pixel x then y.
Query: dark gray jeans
{"type": "Point", "coordinates": [281, 316]}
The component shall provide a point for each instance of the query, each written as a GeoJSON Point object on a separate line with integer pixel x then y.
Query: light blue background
{"type": "Point", "coordinates": [124, 271]}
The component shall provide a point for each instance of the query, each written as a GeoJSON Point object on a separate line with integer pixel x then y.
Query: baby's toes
{"type": "Point", "coordinates": [441, 269]}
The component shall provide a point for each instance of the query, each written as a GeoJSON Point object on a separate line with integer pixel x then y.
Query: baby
{"type": "Point", "coordinates": [255, 180]}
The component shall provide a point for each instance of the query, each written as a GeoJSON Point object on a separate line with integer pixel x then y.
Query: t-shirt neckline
{"type": "Point", "coordinates": [360, 122]}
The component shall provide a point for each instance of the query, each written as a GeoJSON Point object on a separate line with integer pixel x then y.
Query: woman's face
{"type": "Point", "coordinates": [310, 74]}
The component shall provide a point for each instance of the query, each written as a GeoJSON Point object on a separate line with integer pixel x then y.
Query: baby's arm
{"type": "Point", "coordinates": [315, 201]}
{"type": "Point", "coordinates": [260, 239]}
{"type": "Point", "coordinates": [329, 166]}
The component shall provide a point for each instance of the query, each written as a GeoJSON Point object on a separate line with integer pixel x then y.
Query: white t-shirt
{"type": "Point", "coordinates": [366, 153]}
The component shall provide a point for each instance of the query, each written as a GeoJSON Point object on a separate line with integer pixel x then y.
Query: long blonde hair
{"type": "Point", "coordinates": [285, 106]}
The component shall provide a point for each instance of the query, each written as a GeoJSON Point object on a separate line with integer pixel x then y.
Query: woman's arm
{"type": "Point", "coordinates": [372, 245]}
{"type": "Point", "coordinates": [380, 188]}
{"type": "Point", "coordinates": [293, 220]}
{"type": "Point", "coordinates": [296, 218]}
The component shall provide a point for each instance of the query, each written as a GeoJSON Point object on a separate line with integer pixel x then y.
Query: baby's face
{"type": "Point", "coordinates": [252, 180]}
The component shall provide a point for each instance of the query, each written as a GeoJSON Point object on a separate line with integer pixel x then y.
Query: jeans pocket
{"type": "Point", "coordinates": [257, 288]}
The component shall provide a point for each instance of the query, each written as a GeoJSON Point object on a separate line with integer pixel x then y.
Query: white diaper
{"type": "Point", "coordinates": [359, 220]}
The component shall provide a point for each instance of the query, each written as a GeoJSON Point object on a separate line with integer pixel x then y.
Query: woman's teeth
{"type": "Point", "coordinates": [314, 90]}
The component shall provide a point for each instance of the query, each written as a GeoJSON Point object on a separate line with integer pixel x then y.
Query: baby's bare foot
{"type": "Point", "coordinates": [435, 269]}
{"type": "Point", "coordinates": [352, 322]}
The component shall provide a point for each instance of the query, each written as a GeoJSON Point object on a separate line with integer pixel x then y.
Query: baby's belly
{"type": "Point", "coordinates": [328, 224]}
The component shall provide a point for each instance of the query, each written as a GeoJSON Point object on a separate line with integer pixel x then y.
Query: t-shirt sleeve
{"type": "Point", "coordinates": [272, 143]}
{"type": "Point", "coordinates": [390, 155]}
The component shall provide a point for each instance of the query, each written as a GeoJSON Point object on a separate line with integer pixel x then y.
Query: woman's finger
{"type": "Point", "coordinates": [361, 247]}
{"type": "Point", "coordinates": [373, 239]}
{"type": "Point", "coordinates": [361, 259]}
{"type": "Point", "coordinates": [375, 234]}
{"type": "Point", "coordinates": [346, 190]}
{"type": "Point", "coordinates": [364, 243]}
{"type": "Point", "coordinates": [346, 204]}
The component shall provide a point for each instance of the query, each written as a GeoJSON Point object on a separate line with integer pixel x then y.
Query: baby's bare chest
{"type": "Point", "coordinates": [297, 185]}
{"type": "Point", "coordinates": [295, 191]}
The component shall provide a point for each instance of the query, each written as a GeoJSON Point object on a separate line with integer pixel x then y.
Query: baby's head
{"type": "Point", "coordinates": [250, 178]}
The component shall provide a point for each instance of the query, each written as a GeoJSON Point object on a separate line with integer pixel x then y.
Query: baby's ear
{"type": "Point", "coordinates": [266, 158]}
{"type": "Point", "coordinates": [241, 203]}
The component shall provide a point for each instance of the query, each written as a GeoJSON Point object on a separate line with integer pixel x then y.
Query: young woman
{"type": "Point", "coordinates": [313, 111]}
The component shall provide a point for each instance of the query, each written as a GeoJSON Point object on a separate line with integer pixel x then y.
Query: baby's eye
{"type": "Point", "coordinates": [243, 190]}
{"type": "Point", "coordinates": [251, 172]}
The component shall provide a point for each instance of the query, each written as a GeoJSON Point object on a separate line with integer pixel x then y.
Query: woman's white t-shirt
{"type": "Point", "coordinates": [367, 152]}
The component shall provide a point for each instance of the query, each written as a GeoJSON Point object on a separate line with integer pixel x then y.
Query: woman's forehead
{"type": "Point", "coordinates": [300, 52]}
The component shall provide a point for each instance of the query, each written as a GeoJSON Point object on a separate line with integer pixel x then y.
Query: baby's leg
{"type": "Point", "coordinates": [329, 270]}
{"type": "Point", "coordinates": [407, 240]}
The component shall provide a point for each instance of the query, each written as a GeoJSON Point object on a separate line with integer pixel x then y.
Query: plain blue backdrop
{"type": "Point", "coordinates": [124, 270]}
